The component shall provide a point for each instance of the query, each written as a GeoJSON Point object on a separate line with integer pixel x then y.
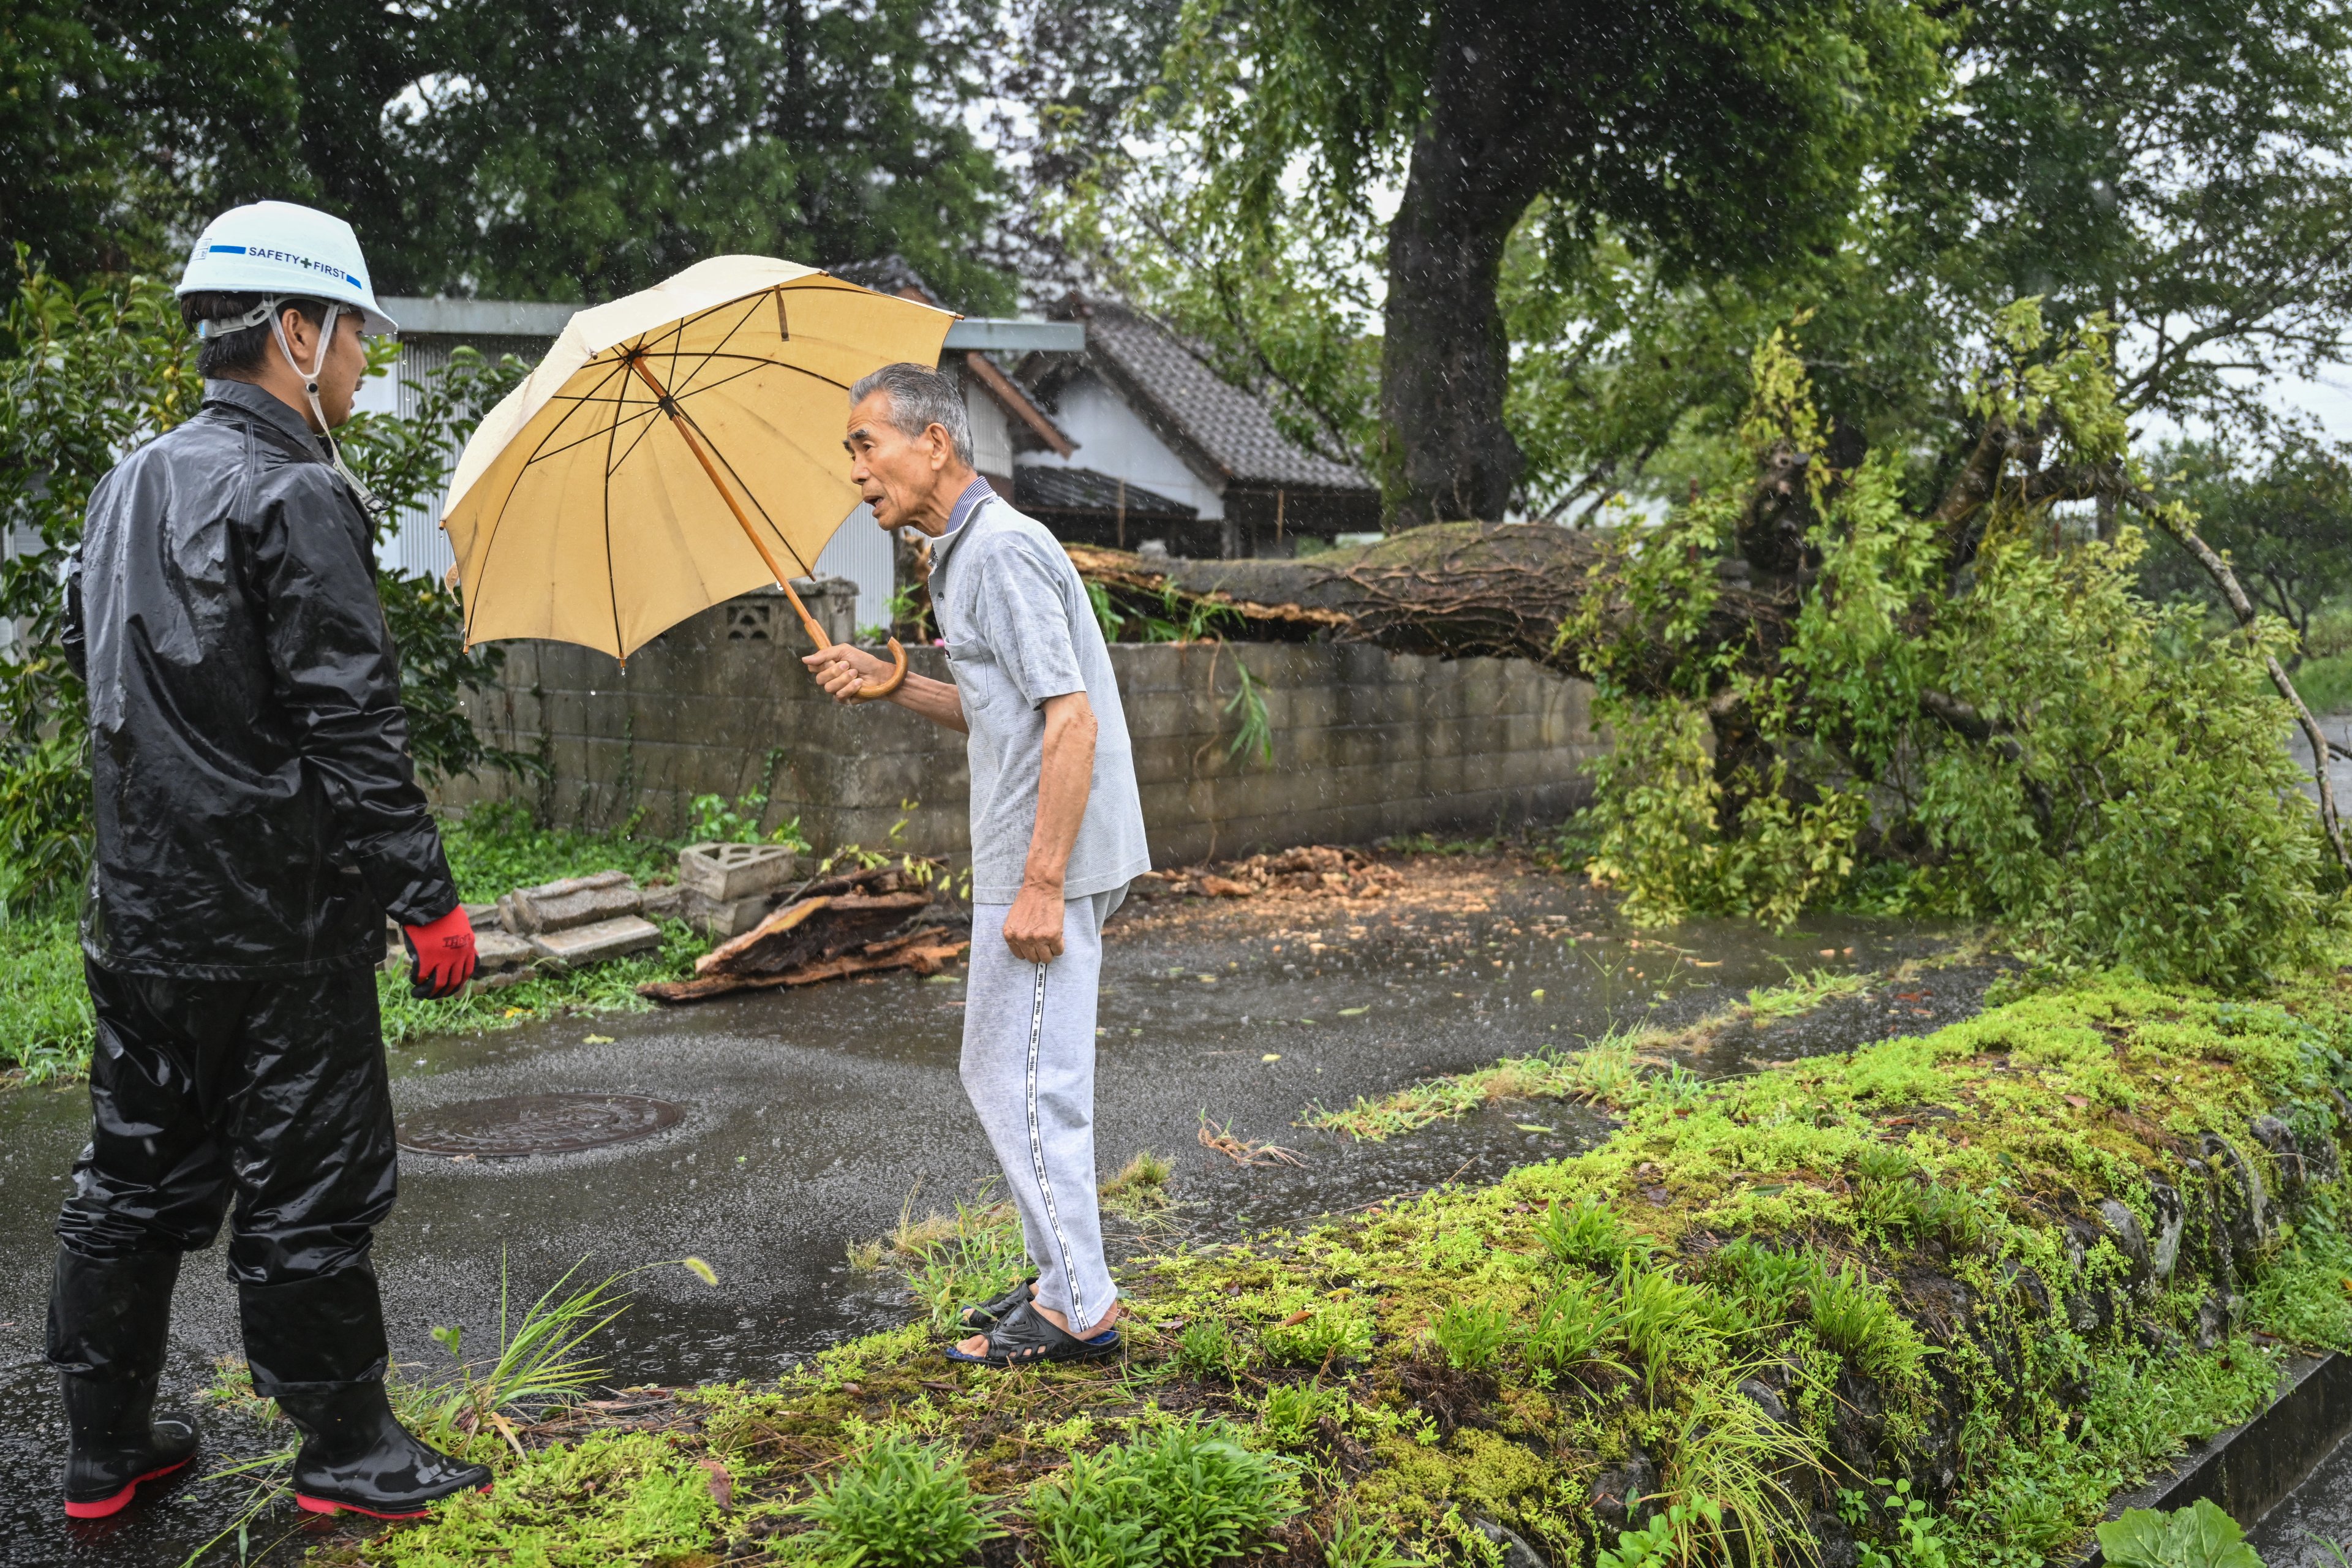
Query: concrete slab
{"type": "Point", "coordinates": [496, 950]}
{"type": "Point", "coordinates": [582, 945]}
{"type": "Point", "coordinates": [573, 901]}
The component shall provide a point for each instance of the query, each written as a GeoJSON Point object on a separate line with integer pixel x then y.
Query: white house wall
{"type": "Point", "coordinates": [991, 430]}
{"type": "Point", "coordinates": [1113, 439]}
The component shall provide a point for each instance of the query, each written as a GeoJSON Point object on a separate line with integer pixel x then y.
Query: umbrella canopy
{"type": "Point", "coordinates": [674, 450]}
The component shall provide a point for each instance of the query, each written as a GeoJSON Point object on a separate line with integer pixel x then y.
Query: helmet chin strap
{"type": "Point", "coordinates": [367, 498]}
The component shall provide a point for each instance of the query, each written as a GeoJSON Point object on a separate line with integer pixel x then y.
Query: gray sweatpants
{"type": "Point", "coordinates": [1029, 1067]}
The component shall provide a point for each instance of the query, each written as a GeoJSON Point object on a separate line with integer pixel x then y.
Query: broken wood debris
{"type": "Point", "coordinates": [1310, 870]}
{"type": "Point", "coordinates": [836, 927]}
{"type": "Point", "coordinates": [1243, 1150]}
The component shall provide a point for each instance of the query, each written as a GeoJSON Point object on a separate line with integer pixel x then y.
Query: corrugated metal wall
{"type": "Point", "coordinates": [418, 545]}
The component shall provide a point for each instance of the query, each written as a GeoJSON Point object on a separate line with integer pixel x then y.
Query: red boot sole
{"type": "Point", "coordinates": [320, 1505]}
{"type": "Point", "coordinates": [107, 1507]}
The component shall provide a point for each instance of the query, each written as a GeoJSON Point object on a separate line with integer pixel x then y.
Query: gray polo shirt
{"type": "Point", "coordinates": [1019, 629]}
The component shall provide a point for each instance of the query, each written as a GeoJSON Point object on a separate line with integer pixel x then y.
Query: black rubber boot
{"type": "Point", "coordinates": [317, 1347]}
{"type": "Point", "coordinates": [108, 1321]}
{"type": "Point", "coordinates": [357, 1456]}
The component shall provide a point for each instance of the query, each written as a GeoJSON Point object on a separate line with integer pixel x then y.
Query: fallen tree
{"type": "Point", "coordinates": [1822, 686]}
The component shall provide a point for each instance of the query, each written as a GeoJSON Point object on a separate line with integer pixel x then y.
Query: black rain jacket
{"type": "Point", "coordinates": [257, 813]}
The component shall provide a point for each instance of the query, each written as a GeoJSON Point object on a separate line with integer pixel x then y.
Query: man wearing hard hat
{"type": "Point", "coordinates": [257, 818]}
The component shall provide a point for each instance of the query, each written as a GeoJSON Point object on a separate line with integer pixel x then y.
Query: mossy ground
{"type": "Point", "coordinates": [1775, 1293]}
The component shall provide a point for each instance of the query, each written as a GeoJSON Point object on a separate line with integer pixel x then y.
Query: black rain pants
{"type": "Point", "coordinates": [270, 1095]}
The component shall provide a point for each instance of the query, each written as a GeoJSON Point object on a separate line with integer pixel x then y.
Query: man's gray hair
{"type": "Point", "coordinates": [919, 399]}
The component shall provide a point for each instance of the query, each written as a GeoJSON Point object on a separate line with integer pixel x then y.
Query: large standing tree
{"type": "Point", "coordinates": [520, 147]}
{"type": "Point", "coordinates": [1711, 137]}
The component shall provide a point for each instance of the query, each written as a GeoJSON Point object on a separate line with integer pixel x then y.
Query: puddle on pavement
{"type": "Point", "coordinates": [805, 1120]}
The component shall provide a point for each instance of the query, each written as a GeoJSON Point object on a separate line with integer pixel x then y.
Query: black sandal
{"type": "Point", "coordinates": [988, 1314]}
{"type": "Point", "coordinates": [1024, 1338]}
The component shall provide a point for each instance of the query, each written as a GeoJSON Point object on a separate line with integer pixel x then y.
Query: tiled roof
{"type": "Point", "coordinates": [1041, 487]}
{"type": "Point", "coordinates": [890, 274]}
{"type": "Point", "coordinates": [1229, 425]}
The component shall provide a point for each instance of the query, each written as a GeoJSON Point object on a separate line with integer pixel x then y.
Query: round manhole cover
{"type": "Point", "coordinates": [524, 1124]}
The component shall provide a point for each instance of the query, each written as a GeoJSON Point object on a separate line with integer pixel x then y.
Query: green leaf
{"type": "Point", "coordinates": [2198, 1536]}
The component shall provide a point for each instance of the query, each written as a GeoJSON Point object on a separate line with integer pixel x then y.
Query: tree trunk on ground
{"type": "Point", "coordinates": [1479, 160]}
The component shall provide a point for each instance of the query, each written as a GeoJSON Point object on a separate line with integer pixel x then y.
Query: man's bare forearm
{"type": "Point", "coordinates": [1065, 775]}
{"type": "Point", "coordinates": [937, 700]}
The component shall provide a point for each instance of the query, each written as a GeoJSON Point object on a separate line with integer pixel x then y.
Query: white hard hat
{"type": "Point", "coordinates": [283, 250]}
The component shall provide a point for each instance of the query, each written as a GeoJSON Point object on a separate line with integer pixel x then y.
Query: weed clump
{"type": "Point", "coordinates": [900, 1504]}
{"type": "Point", "coordinates": [1185, 1496]}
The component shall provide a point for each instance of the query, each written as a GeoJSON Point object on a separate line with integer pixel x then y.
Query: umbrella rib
{"type": "Point", "coordinates": [712, 448]}
{"type": "Point", "coordinates": [778, 364]}
{"type": "Point", "coordinates": [581, 441]}
{"type": "Point", "coordinates": [680, 389]}
{"type": "Point", "coordinates": [678, 328]}
{"type": "Point", "coordinates": [647, 428]}
{"type": "Point", "coordinates": [504, 501]}
{"type": "Point", "coordinates": [611, 582]}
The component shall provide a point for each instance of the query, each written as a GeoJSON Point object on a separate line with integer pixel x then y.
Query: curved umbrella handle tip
{"type": "Point", "coordinates": [891, 682]}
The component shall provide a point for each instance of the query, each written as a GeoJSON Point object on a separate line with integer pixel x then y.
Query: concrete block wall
{"type": "Point", "coordinates": [1366, 743]}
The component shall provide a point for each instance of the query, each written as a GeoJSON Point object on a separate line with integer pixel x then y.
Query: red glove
{"type": "Point", "coordinates": [441, 955]}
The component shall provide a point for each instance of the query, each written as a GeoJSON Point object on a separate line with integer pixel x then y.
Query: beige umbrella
{"type": "Point", "coordinates": [674, 450]}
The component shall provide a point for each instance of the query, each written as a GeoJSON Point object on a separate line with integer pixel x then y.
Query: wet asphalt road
{"type": "Point", "coordinates": [809, 1117]}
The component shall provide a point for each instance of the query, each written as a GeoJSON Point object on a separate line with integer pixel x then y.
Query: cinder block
{"type": "Point", "coordinates": [579, 946]}
{"type": "Point", "coordinates": [719, 919]}
{"type": "Point", "coordinates": [725, 872]}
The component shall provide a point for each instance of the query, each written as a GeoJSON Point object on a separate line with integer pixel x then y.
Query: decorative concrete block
{"type": "Point", "coordinates": [725, 872]}
{"type": "Point", "coordinates": [578, 946]}
{"type": "Point", "coordinates": [573, 901]}
{"type": "Point", "coordinates": [496, 950]}
{"type": "Point", "coordinates": [719, 919]}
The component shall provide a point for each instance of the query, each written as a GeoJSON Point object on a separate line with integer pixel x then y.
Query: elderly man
{"type": "Point", "coordinates": [1057, 835]}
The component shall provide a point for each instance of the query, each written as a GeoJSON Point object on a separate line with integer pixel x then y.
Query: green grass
{"type": "Point", "coordinates": [494, 848]}
{"type": "Point", "coordinates": [45, 1016]}
{"type": "Point", "coordinates": [45, 1019]}
{"type": "Point", "coordinates": [608, 987]}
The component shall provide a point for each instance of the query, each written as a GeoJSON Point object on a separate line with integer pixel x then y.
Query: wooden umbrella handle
{"type": "Point", "coordinates": [866, 692]}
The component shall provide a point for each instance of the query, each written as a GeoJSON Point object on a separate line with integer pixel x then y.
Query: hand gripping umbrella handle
{"type": "Point", "coordinates": [871, 688]}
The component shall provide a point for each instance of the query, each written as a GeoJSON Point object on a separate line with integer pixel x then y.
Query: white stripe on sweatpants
{"type": "Point", "coordinates": [1028, 1066]}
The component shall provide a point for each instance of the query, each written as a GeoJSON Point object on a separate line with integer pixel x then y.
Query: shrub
{"type": "Point", "coordinates": [1184, 1496]}
{"type": "Point", "coordinates": [900, 1504]}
